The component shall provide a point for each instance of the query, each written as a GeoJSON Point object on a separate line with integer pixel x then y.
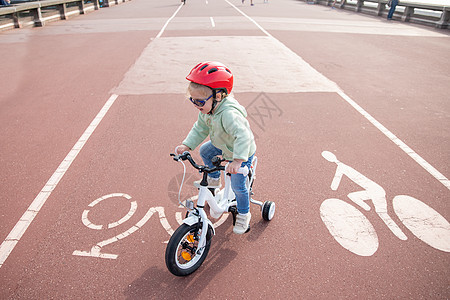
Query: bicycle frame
{"type": "Point", "coordinates": [191, 241]}
{"type": "Point", "coordinates": [219, 202]}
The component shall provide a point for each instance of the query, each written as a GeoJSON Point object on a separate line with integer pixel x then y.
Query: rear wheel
{"type": "Point", "coordinates": [349, 227]}
{"type": "Point", "coordinates": [182, 257]}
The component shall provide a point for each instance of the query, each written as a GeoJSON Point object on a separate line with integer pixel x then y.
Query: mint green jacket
{"type": "Point", "coordinates": [228, 129]}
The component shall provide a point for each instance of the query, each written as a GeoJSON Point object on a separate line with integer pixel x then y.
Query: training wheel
{"type": "Point", "coordinates": [268, 210]}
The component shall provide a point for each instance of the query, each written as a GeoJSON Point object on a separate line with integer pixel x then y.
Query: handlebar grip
{"type": "Point", "coordinates": [178, 157]}
{"type": "Point", "coordinates": [243, 171]}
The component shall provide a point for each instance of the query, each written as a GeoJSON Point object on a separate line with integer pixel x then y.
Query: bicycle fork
{"type": "Point", "coordinates": [203, 219]}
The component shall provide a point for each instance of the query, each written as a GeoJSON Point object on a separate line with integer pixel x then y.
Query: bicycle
{"type": "Point", "coordinates": [353, 230]}
{"type": "Point", "coordinates": [190, 243]}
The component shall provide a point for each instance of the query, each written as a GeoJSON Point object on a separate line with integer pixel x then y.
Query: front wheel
{"type": "Point", "coordinates": [423, 221]}
{"type": "Point", "coordinates": [182, 257]}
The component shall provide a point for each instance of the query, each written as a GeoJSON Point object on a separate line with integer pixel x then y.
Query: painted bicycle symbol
{"type": "Point", "coordinates": [353, 230]}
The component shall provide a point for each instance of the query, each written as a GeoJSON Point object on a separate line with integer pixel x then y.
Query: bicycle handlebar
{"type": "Point", "coordinates": [187, 156]}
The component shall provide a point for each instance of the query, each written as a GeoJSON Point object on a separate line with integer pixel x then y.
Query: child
{"type": "Point", "coordinates": [224, 120]}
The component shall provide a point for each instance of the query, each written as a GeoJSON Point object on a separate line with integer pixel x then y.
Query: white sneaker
{"type": "Point", "coordinates": [212, 183]}
{"type": "Point", "coordinates": [242, 223]}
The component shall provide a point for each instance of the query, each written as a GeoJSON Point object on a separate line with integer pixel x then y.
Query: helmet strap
{"type": "Point", "coordinates": [214, 103]}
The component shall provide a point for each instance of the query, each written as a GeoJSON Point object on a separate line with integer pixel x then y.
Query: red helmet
{"type": "Point", "coordinates": [212, 74]}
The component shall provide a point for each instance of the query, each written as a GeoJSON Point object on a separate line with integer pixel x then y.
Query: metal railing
{"type": "Point", "coordinates": [429, 14]}
{"type": "Point", "coordinates": [37, 13]}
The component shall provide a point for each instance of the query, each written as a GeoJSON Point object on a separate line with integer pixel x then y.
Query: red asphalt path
{"type": "Point", "coordinates": [61, 75]}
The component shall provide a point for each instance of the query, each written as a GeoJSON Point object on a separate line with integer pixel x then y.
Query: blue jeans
{"type": "Point", "coordinates": [392, 10]}
{"type": "Point", "coordinates": [207, 152]}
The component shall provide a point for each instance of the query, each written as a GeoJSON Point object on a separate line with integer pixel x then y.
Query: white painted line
{"type": "Point", "coordinates": [250, 19]}
{"type": "Point", "coordinates": [167, 22]}
{"type": "Point", "coordinates": [422, 162]}
{"type": "Point", "coordinates": [19, 229]}
{"type": "Point", "coordinates": [429, 168]}
{"type": "Point", "coordinates": [212, 22]}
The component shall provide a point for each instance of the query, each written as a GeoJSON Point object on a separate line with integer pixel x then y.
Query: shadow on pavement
{"type": "Point", "coordinates": [157, 283]}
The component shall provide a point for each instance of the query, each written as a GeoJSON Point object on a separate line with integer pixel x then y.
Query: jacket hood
{"type": "Point", "coordinates": [230, 103]}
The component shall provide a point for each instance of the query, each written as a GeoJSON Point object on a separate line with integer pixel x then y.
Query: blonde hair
{"type": "Point", "coordinates": [204, 90]}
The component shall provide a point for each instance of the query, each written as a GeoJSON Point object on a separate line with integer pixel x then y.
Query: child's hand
{"type": "Point", "coordinates": [181, 148]}
{"type": "Point", "coordinates": [234, 166]}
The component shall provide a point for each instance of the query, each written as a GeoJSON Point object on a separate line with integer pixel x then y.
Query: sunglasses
{"type": "Point", "coordinates": [198, 102]}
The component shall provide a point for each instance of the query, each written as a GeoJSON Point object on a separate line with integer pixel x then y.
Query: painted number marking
{"type": "Point", "coordinates": [87, 223]}
{"type": "Point", "coordinates": [96, 250]}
